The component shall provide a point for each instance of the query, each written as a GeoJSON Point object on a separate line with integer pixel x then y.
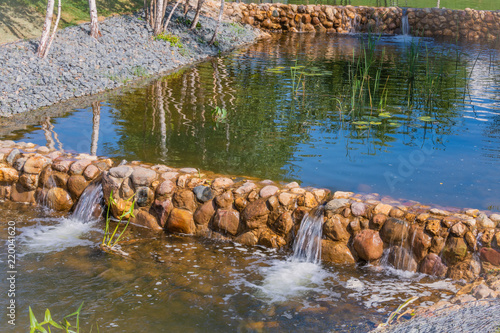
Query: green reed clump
{"type": "Point", "coordinates": [48, 322]}
{"type": "Point", "coordinates": [109, 239]}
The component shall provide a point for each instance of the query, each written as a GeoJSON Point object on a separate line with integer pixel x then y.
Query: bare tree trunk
{"type": "Point", "coordinates": [53, 35]}
{"type": "Point", "coordinates": [186, 8]}
{"type": "Point", "coordinates": [218, 21]}
{"type": "Point", "coordinates": [171, 13]}
{"type": "Point", "coordinates": [197, 15]}
{"type": "Point", "coordinates": [158, 18]}
{"type": "Point", "coordinates": [94, 25]}
{"type": "Point", "coordinates": [96, 119]}
{"type": "Point", "coordinates": [438, 3]}
{"type": "Point", "coordinates": [46, 28]}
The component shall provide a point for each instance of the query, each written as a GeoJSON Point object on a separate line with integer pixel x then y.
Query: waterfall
{"type": "Point", "coordinates": [405, 26]}
{"type": "Point", "coordinates": [307, 245]}
{"type": "Point", "coordinates": [89, 200]}
{"type": "Point", "coordinates": [354, 24]}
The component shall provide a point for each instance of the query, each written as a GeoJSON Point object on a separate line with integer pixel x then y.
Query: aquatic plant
{"type": "Point", "coordinates": [219, 115]}
{"type": "Point", "coordinates": [109, 240]}
{"type": "Point", "coordinates": [398, 311]}
{"type": "Point", "coordinates": [64, 325]}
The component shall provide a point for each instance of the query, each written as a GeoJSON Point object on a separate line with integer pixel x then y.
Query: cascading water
{"type": "Point", "coordinates": [47, 236]}
{"type": "Point", "coordinates": [405, 26]}
{"type": "Point", "coordinates": [307, 246]}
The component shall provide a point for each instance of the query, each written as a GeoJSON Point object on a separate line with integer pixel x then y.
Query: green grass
{"type": "Point", "coordinates": [172, 39]}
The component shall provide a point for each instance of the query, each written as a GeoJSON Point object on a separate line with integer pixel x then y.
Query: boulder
{"type": "Point", "coordinates": [336, 205]}
{"type": "Point", "coordinates": [433, 265]}
{"type": "Point", "coordinates": [283, 225]}
{"type": "Point", "coordinates": [29, 181]}
{"type": "Point", "coordinates": [145, 219]}
{"type": "Point", "coordinates": [335, 230]}
{"type": "Point", "coordinates": [142, 176]}
{"type": "Point", "coordinates": [165, 189]}
{"type": "Point", "coordinates": [394, 231]}
{"type": "Point", "coordinates": [358, 209]}
{"type": "Point", "coordinates": [34, 164]}
{"type": "Point", "coordinates": [8, 175]}
{"type": "Point", "coordinates": [91, 172]}
{"type": "Point", "coordinates": [76, 185]}
{"type": "Point", "coordinates": [180, 221]}
{"type": "Point", "coordinates": [58, 199]}
{"type": "Point", "coordinates": [184, 199]}
{"type": "Point", "coordinates": [227, 220]}
{"type": "Point", "coordinates": [222, 183]}
{"type": "Point", "coordinates": [420, 243]}
{"type": "Point", "coordinates": [204, 213]}
{"type": "Point", "coordinates": [368, 245]}
{"type": "Point", "coordinates": [122, 171]}
{"type": "Point", "coordinates": [255, 214]}
{"type": "Point", "coordinates": [336, 252]}
{"type": "Point", "coordinates": [269, 239]}
{"type": "Point", "coordinates": [245, 188]}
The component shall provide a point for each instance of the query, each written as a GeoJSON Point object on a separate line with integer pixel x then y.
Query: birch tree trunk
{"type": "Point", "coordinates": [47, 49]}
{"type": "Point", "coordinates": [46, 28]}
{"type": "Point", "coordinates": [218, 22]}
{"type": "Point", "coordinates": [171, 13]}
{"type": "Point", "coordinates": [158, 17]}
{"type": "Point", "coordinates": [96, 120]}
{"type": "Point", "coordinates": [94, 25]}
{"type": "Point", "coordinates": [197, 15]}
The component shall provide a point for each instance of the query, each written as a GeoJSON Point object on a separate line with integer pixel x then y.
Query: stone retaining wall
{"type": "Point", "coordinates": [357, 228]}
{"type": "Point", "coordinates": [429, 22]}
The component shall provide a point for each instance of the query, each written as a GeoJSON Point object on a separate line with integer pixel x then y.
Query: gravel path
{"type": "Point", "coordinates": [79, 65]}
{"type": "Point", "coordinates": [480, 316]}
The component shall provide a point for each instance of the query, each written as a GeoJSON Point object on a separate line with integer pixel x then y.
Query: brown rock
{"type": "Point", "coordinates": [161, 210]}
{"type": "Point", "coordinates": [222, 183]}
{"type": "Point", "coordinates": [225, 200]}
{"type": "Point", "coordinates": [79, 166]}
{"type": "Point", "coordinates": [358, 209]}
{"type": "Point", "coordinates": [240, 203]}
{"type": "Point", "coordinates": [273, 203]}
{"type": "Point", "coordinates": [455, 250]}
{"type": "Point", "coordinates": [382, 209]}
{"type": "Point", "coordinates": [120, 209]}
{"type": "Point", "coordinates": [437, 244]}
{"type": "Point", "coordinates": [57, 179]}
{"type": "Point", "coordinates": [420, 243]}
{"type": "Point", "coordinates": [142, 176]}
{"type": "Point", "coordinates": [34, 164]}
{"type": "Point", "coordinates": [180, 221]}
{"type": "Point", "coordinates": [165, 189]}
{"type": "Point", "coordinates": [471, 241]}
{"type": "Point", "coordinates": [335, 230]}
{"type": "Point", "coordinates": [307, 200]}
{"type": "Point", "coordinates": [248, 238]}
{"type": "Point", "coordinates": [227, 220]}
{"type": "Point", "coordinates": [401, 258]}
{"type": "Point", "coordinates": [487, 237]}
{"type": "Point", "coordinates": [299, 213]}
{"type": "Point", "coordinates": [255, 214]}
{"type": "Point", "coordinates": [20, 194]}
{"type": "Point", "coordinates": [286, 199]}
{"type": "Point", "coordinates": [268, 191]}
{"type": "Point", "coordinates": [8, 175]}
{"type": "Point", "coordinates": [283, 225]}
{"type": "Point", "coordinates": [185, 199]}
{"type": "Point", "coordinates": [378, 221]}
{"type": "Point", "coordinates": [76, 185]}
{"type": "Point", "coordinates": [58, 199]}
{"type": "Point", "coordinates": [5, 192]}
{"type": "Point", "coordinates": [91, 172]}
{"type": "Point", "coordinates": [394, 231]}
{"type": "Point", "coordinates": [490, 255]}
{"type": "Point", "coordinates": [432, 265]}
{"type": "Point", "coordinates": [336, 252]}
{"type": "Point", "coordinates": [127, 189]}
{"type": "Point", "coordinates": [145, 219]}
{"type": "Point", "coordinates": [433, 227]}
{"type": "Point", "coordinates": [368, 245]}
{"type": "Point", "coordinates": [397, 213]}
{"type": "Point", "coordinates": [204, 213]}
{"type": "Point", "coordinates": [269, 239]}
{"type": "Point", "coordinates": [29, 181]}
{"type": "Point", "coordinates": [458, 230]}
{"type": "Point", "coordinates": [245, 188]}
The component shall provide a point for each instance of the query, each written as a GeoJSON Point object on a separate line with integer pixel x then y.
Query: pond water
{"type": "Point", "coordinates": [174, 283]}
{"type": "Point", "coordinates": [421, 121]}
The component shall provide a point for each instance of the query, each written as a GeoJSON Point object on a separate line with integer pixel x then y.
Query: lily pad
{"type": "Point", "coordinates": [426, 118]}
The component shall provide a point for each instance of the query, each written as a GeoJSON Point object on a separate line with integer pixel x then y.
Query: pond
{"type": "Point", "coordinates": [175, 283]}
{"type": "Point", "coordinates": [405, 117]}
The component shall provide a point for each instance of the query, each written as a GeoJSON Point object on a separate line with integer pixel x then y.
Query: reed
{"type": "Point", "coordinates": [49, 322]}
{"type": "Point", "coordinates": [109, 239]}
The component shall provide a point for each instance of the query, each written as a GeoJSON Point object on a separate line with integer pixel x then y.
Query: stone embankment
{"type": "Point", "coordinates": [80, 65]}
{"type": "Point", "coordinates": [357, 228]}
{"type": "Point", "coordinates": [428, 22]}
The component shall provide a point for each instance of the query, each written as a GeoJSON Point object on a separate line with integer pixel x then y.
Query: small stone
{"type": "Point", "coordinates": [62, 165]}
{"type": "Point", "coordinates": [91, 172]}
{"type": "Point", "coordinates": [382, 209]}
{"type": "Point", "coordinates": [495, 218]}
{"type": "Point", "coordinates": [336, 204]}
{"type": "Point", "coordinates": [439, 212]}
{"type": "Point", "coordinates": [458, 230]}
{"type": "Point", "coordinates": [286, 199]}
{"type": "Point", "coordinates": [203, 193]}
{"type": "Point", "coordinates": [8, 175]}
{"type": "Point", "coordinates": [292, 185]}
{"type": "Point", "coordinates": [222, 183]}
{"type": "Point", "coordinates": [298, 190]}
{"type": "Point", "coordinates": [225, 200]}
{"type": "Point", "coordinates": [358, 209]}
{"type": "Point", "coordinates": [43, 150]}
{"type": "Point", "coordinates": [180, 221]}
{"type": "Point", "coordinates": [171, 175]}
{"type": "Point", "coordinates": [245, 188]}
{"type": "Point", "coordinates": [227, 220]}
{"type": "Point", "coordinates": [142, 176]}
{"type": "Point", "coordinates": [342, 195]}
{"type": "Point", "coordinates": [122, 171]}
{"type": "Point", "coordinates": [482, 291]}
{"type": "Point", "coordinates": [188, 170]}
{"type": "Point", "coordinates": [268, 191]}
{"type": "Point", "coordinates": [484, 222]}
{"type": "Point", "coordinates": [34, 164]}
{"type": "Point", "coordinates": [79, 166]}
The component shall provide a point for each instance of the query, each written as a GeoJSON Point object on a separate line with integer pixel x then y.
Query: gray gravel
{"type": "Point", "coordinates": [79, 65]}
{"type": "Point", "coordinates": [480, 316]}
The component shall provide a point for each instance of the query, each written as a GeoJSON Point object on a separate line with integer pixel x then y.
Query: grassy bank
{"type": "Point", "coordinates": [24, 18]}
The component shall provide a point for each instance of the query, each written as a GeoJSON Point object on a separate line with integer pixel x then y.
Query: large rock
{"type": "Point", "coordinates": [58, 199]}
{"type": "Point", "coordinates": [110, 184]}
{"type": "Point", "coordinates": [204, 213]}
{"type": "Point", "coordinates": [225, 200]}
{"type": "Point", "coordinates": [358, 209]}
{"type": "Point", "coordinates": [336, 205]}
{"type": "Point", "coordinates": [287, 199]}
{"type": "Point", "coordinates": [21, 194]}
{"type": "Point", "coordinates": [245, 188]}
{"type": "Point", "coordinates": [180, 221]}
{"type": "Point", "coordinates": [145, 219]}
{"type": "Point", "coordinates": [420, 243]}
{"type": "Point", "coordinates": [222, 183]}
{"type": "Point", "coordinates": [394, 231]}
{"type": "Point", "coordinates": [79, 166]}
{"type": "Point", "coordinates": [308, 200]}
{"type": "Point", "coordinates": [402, 259]}
{"type": "Point", "coordinates": [490, 255]}
{"type": "Point", "coordinates": [76, 185]}
{"type": "Point", "coordinates": [382, 209]}
{"type": "Point", "coordinates": [227, 220]}
{"type": "Point", "coordinates": [91, 172]}
{"type": "Point", "coordinates": [34, 164]}
{"type": "Point", "coordinates": [248, 238]}
{"type": "Point", "coordinates": [336, 230]}
{"type": "Point", "coordinates": [62, 164]}
{"type": "Point", "coordinates": [165, 189]}
{"type": "Point", "coordinates": [255, 214]}
{"type": "Point", "coordinates": [8, 175]}
{"type": "Point", "coordinates": [283, 225]}
{"type": "Point", "coordinates": [484, 222]}
{"type": "Point", "coordinates": [269, 239]}
{"type": "Point", "coordinates": [185, 199]}
{"type": "Point", "coordinates": [142, 176]}
{"type": "Point", "coordinates": [455, 250]}
{"type": "Point", "coordinates": [268, 191]}
{"type": "Point", "coordinates": [432, 265]}
{"type": "Point", "coordinates": [203, 193]}
{"type": "Point", "coordinates": [161, 210]}
{"type": "Point", "coordinates": [29, 181]}
{"type": "Point", "coordinates": [336, 252]}
{"type": "Point", "coordinates": [368, 245]}
{"type": "Point", "coordinates": [122, 171]}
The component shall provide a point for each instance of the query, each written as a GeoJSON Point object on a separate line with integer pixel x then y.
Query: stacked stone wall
{"type": "Point", "coordinates": [429, 22]}
{"type": "Point", "coordinates": [356, 228]}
